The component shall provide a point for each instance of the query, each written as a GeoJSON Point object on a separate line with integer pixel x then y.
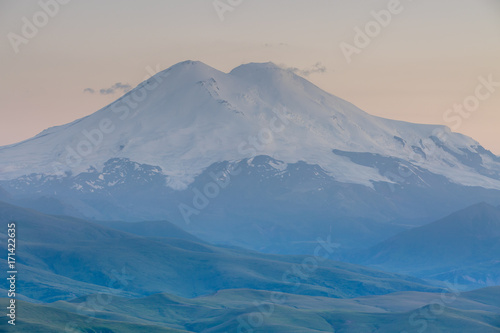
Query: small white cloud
{"type": "Point", "coordinates": [316, 68]}
{"type": "Point", "coordinates": [117, 87]}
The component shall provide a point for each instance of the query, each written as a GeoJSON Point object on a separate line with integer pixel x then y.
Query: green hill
{"type": "Point", "coordinates": [464, 246]}
{"type": "Point", "coordinates": [265, 311]}
{"type": "Point", "coordinates": [63, 258]}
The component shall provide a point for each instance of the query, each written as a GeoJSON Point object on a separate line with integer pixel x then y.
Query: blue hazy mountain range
{"type": "Point", "coordinates": [258, 158]}
{"type": "Point", "coordinates": [94, 277]}
{"type": "Point", "coordinates": [251, 201]}
{"type": "Point", "coordinates": [463, 247]}
{"type": "Point", "coordinates": [64, 257]}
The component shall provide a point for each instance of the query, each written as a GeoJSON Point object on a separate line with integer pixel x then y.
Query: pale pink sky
{"type": "Point", "coordinates": [427, 59]}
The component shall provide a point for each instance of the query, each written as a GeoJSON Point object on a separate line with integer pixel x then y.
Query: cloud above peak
{"type": "Point", "coordinates": [117, 87]}
{"type": "Point", "coordinates": [316, 68]}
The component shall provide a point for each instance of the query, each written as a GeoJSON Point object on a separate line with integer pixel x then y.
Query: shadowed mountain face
{"type": "Point", "coordinates": [464, 245]}
{"type": "Point", "coordinates": [266, 206]}
{"type": "Point", "coordinates": [258, 158]}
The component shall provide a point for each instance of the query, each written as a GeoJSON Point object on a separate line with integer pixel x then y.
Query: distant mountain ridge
{"type": "Point", "coordinates": [62, 258]}
{"type": "Point", "coordinates": [165, 151]}
{"type": "Point", "coordinates": [464, 246]}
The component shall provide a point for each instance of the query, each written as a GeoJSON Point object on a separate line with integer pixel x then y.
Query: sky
{"type": "Point", "coordinates": [425, 61]}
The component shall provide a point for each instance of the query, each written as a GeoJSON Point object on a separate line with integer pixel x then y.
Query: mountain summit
{"type": "Point", "coordinates": [306, 163]}
{"type": "Point", "coordinates": [191, 115]}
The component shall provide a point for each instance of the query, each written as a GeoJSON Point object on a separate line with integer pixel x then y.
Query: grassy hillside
{"type": "Point", "coordinates": [36, 318]}
{"type": "Point", "coordinates": [265, 311]}
{"type": "Point", "coordinates": [107, 280]}
{"type": "Point", "coordinates": [63, 258]}
{"type": "Point", "coordinates": [464, 245]}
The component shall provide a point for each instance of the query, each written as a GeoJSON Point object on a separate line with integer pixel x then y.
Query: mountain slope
{"type": "Point", "coordinates": [190, 116]}
{"type": "Point", "coordinates": [227, 310]}
{"type": "Point", "coordinates": [464, 245]}
{"type": "Point", "coordinates": [44, 319]}
{"type": "Point", "coordinates": [187, 145]}
{"type": "Point", "coordinates": [63, 258]}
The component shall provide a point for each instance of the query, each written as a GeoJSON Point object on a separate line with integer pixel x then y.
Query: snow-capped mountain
{"type": "Point", "coordinates": [300, 153]}
{"type": "Point", "coordinates": [191, 115]}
